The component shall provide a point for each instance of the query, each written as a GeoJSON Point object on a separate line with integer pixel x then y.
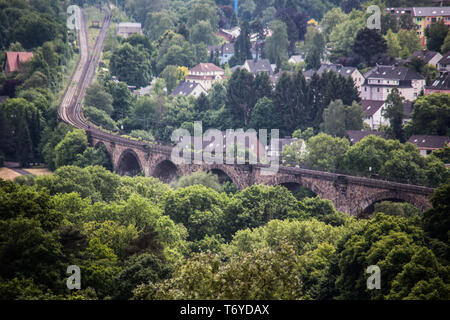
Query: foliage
{"type": "Point", "coordinates": [131, 64]}
{"type": "Point", "coordinates": [276, 46]}
{"type": "Point", "coordinates": [436, 34]}
{"type": "Point", "coordinates": [326, 153]}
{"type": "Point", "coordinates": [208, 180]}
{"type": "Point", "coordinates": [431, 115]}
{"type": "Point", "coordinates": [338, 118]}
{"type": "Point", "coordinates": [368, 43]}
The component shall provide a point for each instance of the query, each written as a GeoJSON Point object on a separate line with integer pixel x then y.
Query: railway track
{"type": "Point", "coordinates": [70, 110]}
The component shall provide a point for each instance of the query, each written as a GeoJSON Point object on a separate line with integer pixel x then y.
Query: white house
{"type": "Point", "coordinates": [189, 89]}
{"type": "Point", "coordinates": [444, 63]}
{"type": "Point", "coordinates": [374, 109]}
{"type": "Point", "coordinates": [205, 74]}
{"type": "Point", "coordinates": [126, 29]}
{"type": "Point", "coordinates": [382, 79]}
{"type": "Point", "coordinates": [430, 57]}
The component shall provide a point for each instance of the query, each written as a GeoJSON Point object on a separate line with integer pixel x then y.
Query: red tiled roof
{"type": "Point", "coordinates": [206, 67]}
{"type": "Point", "coordinates": [14, 59]}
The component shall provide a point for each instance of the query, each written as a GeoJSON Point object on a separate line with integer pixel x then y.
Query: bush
{"type": "Point", "coordinates": [100, 117]}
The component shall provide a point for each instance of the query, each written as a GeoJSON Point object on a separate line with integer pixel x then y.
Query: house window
{"type": "Point", "coordinates": [378, 89]}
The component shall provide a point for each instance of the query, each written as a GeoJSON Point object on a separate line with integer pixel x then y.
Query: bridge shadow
{"type": "Point", "coordinates": [128, 164]}
{"type": "Point", "coordinates": [166, 171]}
{"type": "Point", "coordinates": [298, 191]}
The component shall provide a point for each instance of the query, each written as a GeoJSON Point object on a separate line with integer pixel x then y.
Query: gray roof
{"type": "Point", "coordinates": [357, 135]}
{"type": "Point", "coordinates": [429, 141]}
{"type": "Point", "coordinates": [338, 68]}
{"type": "Point", "coordinates": [431, 11]}
{"type": "Point", "coordinates": [309, 73]}
{"type": "Point", "coordinates": [369, 107]}
{"type": "Point", "coordinates": [445, 58]}
{"type": "Point", "coordinates": [185, 88]}
{"type": "Point", "coordinates": [441, 83]}
{"type": "Point", "coordinates": [393, 72]}
{"type": "Point", "coordinates": [226, 48]}
{"type": "Point", "coordinates": [261, 65]}
{"type": "Point", "coordinates": [143, 91]}
{"type": "Point", "coordinates": [426, 55]}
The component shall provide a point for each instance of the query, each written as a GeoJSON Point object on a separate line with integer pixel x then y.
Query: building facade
{"type": "Point", "coordinates": [205, 74]}
{"type": "Point", "coordinates": [424, 17]}
{"type": "Point", "coordinates": [381, 80]}
{"type": "Point", "coordinates": [126, 29]}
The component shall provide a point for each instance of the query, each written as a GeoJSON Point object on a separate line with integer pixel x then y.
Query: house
{"type": "Point", "coordinates": [15, 59]}
{"type": "Point", "coordinates": [280, 144]}
{"type": "Point", "coordinates": [229, 34]}
{"type": "Point", "coordinates": [380, 81]}
{"type": "Point", "coordinates": [144, 91]}
{"type": "Point", "coordinates": [126, 29]}
{"type": "Point", "coordinates": [428, 143]}
{"type": "Point", "coordinates": [423, 17]}
{"type": "Point", "coordinates": [430, 57]}
{"type": "Point", "coordinates": [296, 59]}
{"type": "Point", "coordinates": [189, 89]}
{"type": "Point", "coordinates": [257, 66]}
{"type": "Point", "coordinates": [205, 74]}
{"type": "Point", "coordinates": [226, 52]}
{"type": "Point", "coordinates": [352, 72]}
{"type": "Point", "coordinates": [248, 141]}
{"type": "Point", "coordinates": [444, 63]}
{"type": "Point", "coordinates": [274, 77]}
{"type": "Point", "coordinates": [442, 84]}
{"type": "Point", "coordinates": [374, 109]}
{"type": "Point", "coordinates": [356, 136]}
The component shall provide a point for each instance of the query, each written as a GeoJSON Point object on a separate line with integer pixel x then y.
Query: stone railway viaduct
{"type": "Point", "coordinates": [349, 194]}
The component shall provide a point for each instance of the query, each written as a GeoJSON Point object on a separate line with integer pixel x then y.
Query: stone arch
{"type": "Point", "coordinates": [166, 171]}
{"type": "Point", "coordinates": [297, 187]}
{"type": "Point", "coordinates": [227, 172]}
{"type": "Point", "coordinates": [128, 163]}
{"type": "Point", "coordinates": [395, 196]}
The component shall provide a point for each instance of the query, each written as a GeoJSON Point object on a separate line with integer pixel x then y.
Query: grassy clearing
{"type": "Point", "coordinates": [8, 174]}
{"type": "Point", "coordinates": [93, 14]}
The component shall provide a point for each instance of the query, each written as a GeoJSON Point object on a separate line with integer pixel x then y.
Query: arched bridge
{"type": "Point", "coordinates": [349, 194]}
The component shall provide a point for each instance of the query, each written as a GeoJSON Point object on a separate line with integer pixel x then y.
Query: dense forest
{"type": "Point", "coordinates": [198, 238]}
{"type": "Point", "coordinates": [137, 238]}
